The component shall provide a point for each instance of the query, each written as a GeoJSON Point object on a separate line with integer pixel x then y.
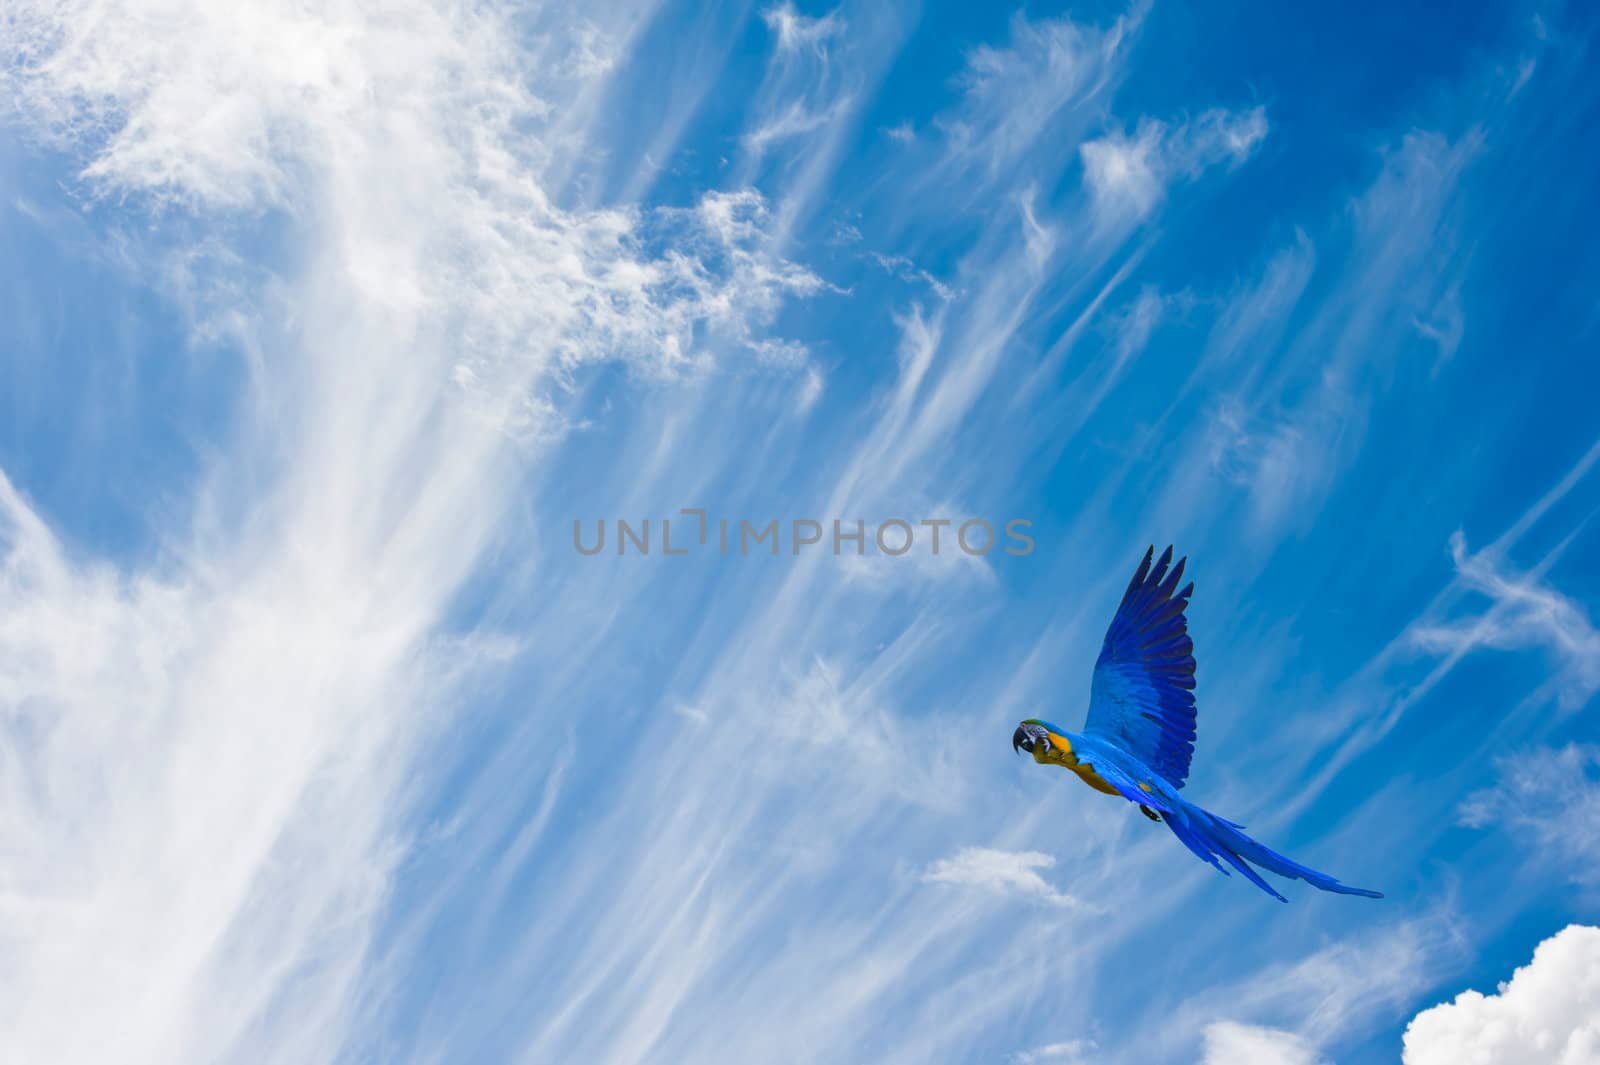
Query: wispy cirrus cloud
{"type": "Point", "coordinates": [1304, 1005]}
{"type": "Point", "coordinates": [1128, 175]}
{"type": "Point", "coordinates": [1524, 612]}
{"type": "Point", "coordinates": [366, 764]}
{"type": "Point", "coordinates": [1550, 799]}
{"type": "Point", "coordinates": [215, 794]}
{"type": "Point", "coordinates": [1286, 435]}
{"type": "Point", "coordinates": [795, 30]}
{"type": "Point", "coordinates": [1044, 82]}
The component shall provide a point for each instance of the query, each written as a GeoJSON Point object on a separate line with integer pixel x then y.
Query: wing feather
{"type": "Point", "coordinates": [1142, 694]}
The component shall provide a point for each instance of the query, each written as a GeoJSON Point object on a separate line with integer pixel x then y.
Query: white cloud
{"type": "Point", "coordinates": [906, 270]}
{"type": "Point", "coordinates": [1444, 324]}
{"type": "Point", "coordinates": [811, 390]}
{"type": "Point", "coordinates": [798, 118]}
{"type": "Point", "coordinates": [1545, 1015]}
{"type": "Point", "coordinates": [205, 760]}
{"type": "Point", "coordinates": [1524, 612]}
{"type": "Point", "coordinates": [904, 133]}
{"type": "Point", "coordinates": [1122, 172]}
{"type": "Point", "coordinates": [795, 120]}
{"type": "Point", "coordinates": [1229, 1043]}
{"type": "Point", "coordinates": [1298, 1007]}
{"type": "Point", "coordinates": [1128, 176]}
{"type": "Point", "coordinates": [1042, 89]}
{"type": "Point", "coordinates": [1551, 799]}
{"type": "Point", "coordinates": [1268, 458]}
{"type": "Point", "coordinates": [1071, 1052]}
{"type": "Point", "coordinates": [1001, 872]}
{"type": "Point", "coordinates": [1289, 429]}
{"type": "Point", "coordinates": [795, 30]}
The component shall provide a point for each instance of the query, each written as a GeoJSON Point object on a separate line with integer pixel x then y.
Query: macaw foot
{"type": "Point", "coordinates": [1151, 814]}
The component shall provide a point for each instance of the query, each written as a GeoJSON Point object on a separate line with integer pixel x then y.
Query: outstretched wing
{"type": "Point", "coordinates": [1142, 695]}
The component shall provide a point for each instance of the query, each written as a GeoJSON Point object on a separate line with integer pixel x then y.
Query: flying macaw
{"type": "Point", "coordinates": [1139, 736]}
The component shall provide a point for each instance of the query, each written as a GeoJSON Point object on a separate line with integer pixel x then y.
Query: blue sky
{"type": "Point", "coordinates": [322, 325]}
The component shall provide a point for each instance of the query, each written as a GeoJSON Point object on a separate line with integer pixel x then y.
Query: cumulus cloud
{"type": "Point", "coordinates": [1545, 1015]}
{"type": "Point", "coordinates": [1001, 872]}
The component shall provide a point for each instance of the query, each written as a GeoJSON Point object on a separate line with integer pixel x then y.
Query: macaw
{"type": "Point", "coordinates": [1139, 736]}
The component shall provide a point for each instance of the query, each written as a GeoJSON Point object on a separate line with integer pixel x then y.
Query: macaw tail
{"type": "Point", "coordinates": [1212, 837]}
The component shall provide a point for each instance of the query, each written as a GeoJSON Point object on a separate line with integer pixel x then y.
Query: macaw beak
{"type": "Point", "coordinates": [1020, 741]}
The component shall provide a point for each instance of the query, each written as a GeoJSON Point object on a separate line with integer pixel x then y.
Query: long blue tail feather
{"type": "Point", "coordinates": [1201, 850]}
{"type": "Point", "coordinates": [1212, 837]}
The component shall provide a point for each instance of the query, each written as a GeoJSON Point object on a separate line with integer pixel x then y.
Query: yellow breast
{"type": "Point", "coordinates": [1059, 752]}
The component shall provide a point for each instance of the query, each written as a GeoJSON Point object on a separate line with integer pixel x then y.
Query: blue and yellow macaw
{"type": "Point", "coordinates": [1139, 737]}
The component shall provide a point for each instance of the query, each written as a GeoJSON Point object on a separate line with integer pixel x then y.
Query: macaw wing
{"type": "Point", "coordinates": [1142, 694]}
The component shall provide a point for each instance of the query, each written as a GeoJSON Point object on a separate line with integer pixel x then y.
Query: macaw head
{"type": "Point", "coordinates": [1031, 735]}
{"type": "Point", "coordinates": [1039, 739]}
{"type": "Point", "coordinates": [1048, 744]}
